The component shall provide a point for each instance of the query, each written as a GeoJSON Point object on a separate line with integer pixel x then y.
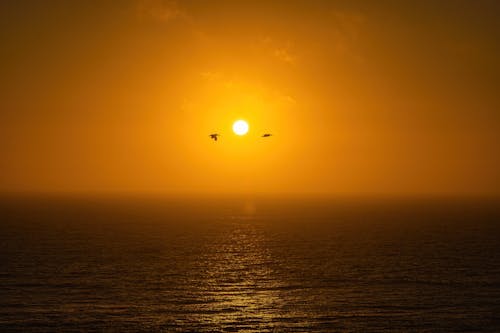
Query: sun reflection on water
{"type": "Point", "coordinates": [240, 290]}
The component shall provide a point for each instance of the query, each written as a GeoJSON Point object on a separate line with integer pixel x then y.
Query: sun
{"type": "Point", "coordinates": [240, 127]}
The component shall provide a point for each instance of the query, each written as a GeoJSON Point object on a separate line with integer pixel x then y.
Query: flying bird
{"type": "Point", "coordinates": [266, 135]}
{"type": "Point", "coordinates": [214, 136]}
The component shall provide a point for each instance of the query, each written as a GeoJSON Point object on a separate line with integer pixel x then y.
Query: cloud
{"type": "Point", "coordinates": [285, 55]}
{"type": "Point", "coordinates": [348, 28]}
{"type": "Point", "coordinates": [218, 78]}
{"type": "Point", "coordinates": [279, 50]}
{"type": "Point", "coordinates": [287, 99]}
{"type": "Point", "coordinates": [211, 76]}
{"type": "Point", "coordinates": [160, 10]}
{"type": "Point", "coordinates": [349, 22]}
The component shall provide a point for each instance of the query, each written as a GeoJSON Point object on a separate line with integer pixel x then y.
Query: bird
{"type": "Point", "coordinates": [214, 136]}
{"type": "Point", "coordinates": [266, 135]}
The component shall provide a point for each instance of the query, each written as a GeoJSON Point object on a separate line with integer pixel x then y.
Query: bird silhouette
{"type": "Point", "coordinates": [266, 135]}
{"type": "Point", "coordinates": [214, 136]}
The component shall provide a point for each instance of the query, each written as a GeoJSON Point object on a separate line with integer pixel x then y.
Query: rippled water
{"type": "Point", "coordinates": [248, 265]}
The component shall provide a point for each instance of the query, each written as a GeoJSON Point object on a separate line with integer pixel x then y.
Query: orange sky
{"type": "Point", "coordinates": [363, 97]}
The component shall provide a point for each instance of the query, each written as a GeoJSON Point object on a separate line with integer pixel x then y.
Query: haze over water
{"type": "Point", "coordinates": [248, 265]}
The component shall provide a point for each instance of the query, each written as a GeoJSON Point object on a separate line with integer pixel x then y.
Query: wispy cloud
{"type": "Point", "coordinates": [284, 52]}
{"type": "Point", "coordinates": [211, 76]}
{"type": "Point", "coordinates": [160, 10]}
{"type": "Point", "coordinates": [285, 55]}
{"type": "Point", "coordinates": [348, 28]}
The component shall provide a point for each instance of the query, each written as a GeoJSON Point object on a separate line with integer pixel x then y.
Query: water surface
{"type": "Point", "coordinates": [248, 265]}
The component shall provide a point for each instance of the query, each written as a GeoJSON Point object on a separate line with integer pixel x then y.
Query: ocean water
{"type": "Point", "coordinates": [248, 265]}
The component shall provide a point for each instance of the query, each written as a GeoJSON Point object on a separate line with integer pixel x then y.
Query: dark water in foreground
{"type": "Point", "coordinates": [249, 265]}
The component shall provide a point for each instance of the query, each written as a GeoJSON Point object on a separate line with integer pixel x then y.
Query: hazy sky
{"type": "Point", "coordinates": [390, 97]}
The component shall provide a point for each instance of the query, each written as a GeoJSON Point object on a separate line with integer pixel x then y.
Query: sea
{"type": "Point", "coordinates": [248, 264]}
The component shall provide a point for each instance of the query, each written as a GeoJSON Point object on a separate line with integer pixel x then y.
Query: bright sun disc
{"type": "Point", "coordinates": [240, 127]}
